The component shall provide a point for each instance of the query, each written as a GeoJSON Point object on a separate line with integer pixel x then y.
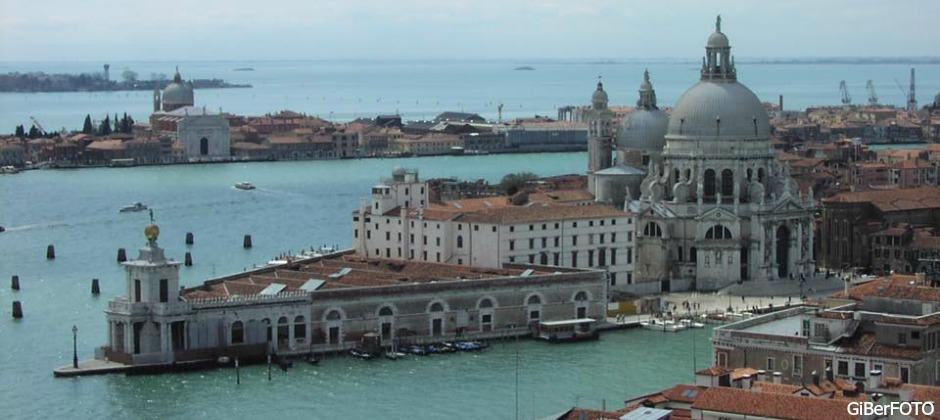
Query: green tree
{"type": "Point", "coordinates": [88, 128]}
{"type": "Point", "coordinates": [105, 128]}
{"type": "Point", "coordinates": [512, 183]}
{"type": "Point", "coordinates": [34, 132]}
{"type": "Point", "coordinates": [20, 131]}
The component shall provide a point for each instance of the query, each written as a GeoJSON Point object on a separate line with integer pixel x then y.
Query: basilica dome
{"type": "Point", "coordinates": [599, 98]}
{"type": "Point", "coordinates": [177, 94]}
{"type": "Point", "coordinates": [645, 128]}
{"type": "Point", "coordinates": [719, 109]}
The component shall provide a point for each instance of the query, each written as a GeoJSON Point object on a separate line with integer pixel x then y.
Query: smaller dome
{"type": "Point", "coordinates": [152, 232]}
{"type": "Point", "coordinates": [643, 129]}
{"type": "Point", "coordinates": [599, 98]}
{"type": "Point", "coordinates": [177, 94]}
{"type": "Point", "coordinates": [718, 40]}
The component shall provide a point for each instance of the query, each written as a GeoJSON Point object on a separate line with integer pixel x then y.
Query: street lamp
{"type": "Point", "coordinates": [74, 347]}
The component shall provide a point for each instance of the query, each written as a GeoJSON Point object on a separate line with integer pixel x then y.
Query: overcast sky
{"type": "Point", "coordinates": [447, 29]}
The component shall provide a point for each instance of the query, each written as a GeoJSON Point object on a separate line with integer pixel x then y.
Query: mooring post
{"type": "Point", "coordinates": [50, 252]}
{"type": "Point", "coordinates": [121, 255]}
{"type": "Point", "coordinates": [189, 238]}
{"type": "Point", "coordinates": [74, 346]}
{"type": "Point", "coordinates": [246, 243]}
{"type": "Point", "coordinates": [95, 289]}
{"type": "Point", "coordinates": [15, 282]}
{"type": "Point", "coordinates": [269, 367]}
{"type": "Point", "coordinates": [188, 260]}
{"type": "Point", "coordinates": [17, 309]}
{"type": "Point", "coordinates": [238, 378]}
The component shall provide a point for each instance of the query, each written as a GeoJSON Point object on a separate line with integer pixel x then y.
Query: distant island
{"type": "Point", "coordinates": [244, 69]}
{"type": "Point", "coordinates": [85, 82]}
{"type": "Point", "coordinates": [524, 68]}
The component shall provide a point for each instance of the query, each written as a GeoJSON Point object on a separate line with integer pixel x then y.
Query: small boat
{"type": "Point", "coordinates": [133, 208]}
{"type": "Point", "coordinates": [359, 354]}
{"type": "Point", "coordinates": [245, 186]}
{"type": "Point", "coordinates": [688, 323]}
{"type": "Point", "coordinates": [661, 325]}
{"type": "Point", "coordinates": [416, 350]}
{"type": "Point", "coordinates": [394, 355]}
{"type": "Point", "coordinates": [2, 229]}
{"type": "Point", "coordinates": [469, 346]}
{"type": "Point", "coordinates": [313, 360]}
{"type": "Point", "coordinates": [9, 170]}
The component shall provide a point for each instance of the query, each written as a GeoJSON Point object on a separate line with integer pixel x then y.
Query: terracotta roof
{"type": "Point", "coordinates": [865, 344]}
{"type": "Point", "coordinates": [925, 393]}
{"type": "Point", "coordinates": [683, 393]}
{"type": "Point", "coordinates": [114, 144]}
{"type": "Point", "coordinates": [775, 405]}
{"type": "Point", "coordinates": [775, 388]}
{"type": "Point", "coordinates": [893, 200]}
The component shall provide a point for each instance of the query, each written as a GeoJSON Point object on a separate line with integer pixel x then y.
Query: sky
{"type": "Point", "coordinates": [94, 30]}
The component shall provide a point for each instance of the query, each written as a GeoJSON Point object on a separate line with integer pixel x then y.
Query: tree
{"type": "Point", "coordinates": [34, 132]}
{"type": "Point", "coordinates": [512, 183]}
{"type": "Point", "coordinates": [105, 128]}
{"type": "Point", "coordinates": [20, 131]}
{"type": "Point", "coordinates": [129, 76]}
{"type": "Point", "coordinates": [88, 128]}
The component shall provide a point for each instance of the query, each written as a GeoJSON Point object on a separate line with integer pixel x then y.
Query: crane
{"type": "Point", "coordinates": [846, 98]}
{"type": "Point", "coordinates": [37, 124]}
{"type": "Point", "coordinates": [872, 96]}
{"type": "Point", "coordinates": [910, 93]}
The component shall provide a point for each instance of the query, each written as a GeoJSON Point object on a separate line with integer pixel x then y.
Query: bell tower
{"type": "Point", "coordinates": [152, 278]}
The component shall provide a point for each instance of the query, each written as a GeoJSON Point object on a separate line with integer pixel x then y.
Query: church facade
{"type": "Point", "coordinates": [716, 207]}
{"type": "Point", "coordinates": [199, 134]}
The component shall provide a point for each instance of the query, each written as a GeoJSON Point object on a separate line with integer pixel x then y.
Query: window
{"type": "Point", "coordinates": [531, 243]}
{"type": "Point", "coordinates": [770, 364]}
{"type": "Point", "coordinates": [459, 241]}
{"type": "Point", "coordinates": [136, 290]}
{"type": "Point", "coordinates": [574, 240]}
{"type": "Point", "coordinates": [902, 338]}
{"type": "Point", "coordinates": [718, 232]}
{"type": "Point", "coordinates": [842, 368]}
{"type": "Point", "coordinates": [590, 262]}
{"type": "Point", "coordinates": [805, 328]}
{"type": "Point", "coordinates": [797, 365]}
{"type": "Point", "coordinates": [512, 245]}
{"type": "Point", "coordinates": [164, 290]}
{"type": "Point", "coordinates": [613, 256]}
{"type": "Point", "coordinates": [238, 332]}
{"type": "Point", "coordinates": [652, 230]}
{"type": "Point", "coordinates": [300, 328]}
{"type": "Point", "coordinates": [859, 370]}
{"type": "Point", "coordinates": [915, 335]}
{"type": "Point", "coordinates": [613, 279]}
{"type": "Point", "coordinates": [722, 359]}
{"type": "Point", "coordinates": [574, 259]}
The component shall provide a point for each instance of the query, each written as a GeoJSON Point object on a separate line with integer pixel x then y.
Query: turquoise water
{"type": "Point", "coordinates": [344, 90]}
{"type": "Point", "coordinates": [297, 204]}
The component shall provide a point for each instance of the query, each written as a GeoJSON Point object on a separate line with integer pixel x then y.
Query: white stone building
{"type": "Point", "coordinates": [561, 228]}
{"type": "Point", "coordinates": [200, 134]}
{"type": "Point", "coordinates": [720, 208]}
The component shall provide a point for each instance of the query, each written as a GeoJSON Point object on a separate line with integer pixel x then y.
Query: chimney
{"type": "Point", "coordinates": [761, 375]}
{"type": "Point", "coordinates": [746, 382]}
{"type": "Point", "coordinates": [829, 374]}
{"type": "Point", "coordinates": [874, 380]}
{"type": "Point", "coordinates": [815, 378]}
{"type": "Point", "coordinates": [778, 378]}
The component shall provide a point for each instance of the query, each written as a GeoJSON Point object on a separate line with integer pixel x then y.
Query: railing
{"type": "Point", "coordinates": [236, 300]}
{"type": "Point", "coordinates": [123, 306]}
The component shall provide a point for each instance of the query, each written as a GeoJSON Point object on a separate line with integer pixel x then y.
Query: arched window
{"type": "Point", "coordinates": [203, 146]}
{"type": "Point", "coordinates": [581, 296]}
{"type": "Point", "coordinates": [534, 300]}
{"type": "Point", "coordinates": [749, 174]}
{"type": "Point", "coordinates": [486, 303]}
{"type": "Point", "coordinates": [238, 332]}
{"type": "Point", "coordinates": [727, 183]}
{"type": "Point", "coordinates": [459, 241]}
{"type": "Point", "coordinates": [534, 307]}
{"type": "Point", "coordinates": [718, 232]}
{"type": "Point", "coordinates": [283, 329]}
{"type": "Point", "coordinates": [334, 315]}
{"type": "Point", "coordinates": [760, 175]}
{"type": "Point", "coordinates": [300, 328]}
{"type": "Point", "coordinates": [709, 182]}
{"type": "Point", "coordinates": [386, 311]}
{"type": "Point", "coordinates": [652, 230]}
{"type": "Point", "coordinates": [437, 307]}
{"type": "Point", "coordinates": [266, 324]}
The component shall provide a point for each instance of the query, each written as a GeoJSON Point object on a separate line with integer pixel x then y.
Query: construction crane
{"type": "Point", "coordinates": [37, 124]}
{"type": "Point", "coordinates": [846, 98]}
{"type": "Point", "coordinates": [872, 96]}
{"type": "Point", "coordinates": [910, 93]}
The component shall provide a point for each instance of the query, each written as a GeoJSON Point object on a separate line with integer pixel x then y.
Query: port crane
{"type": "Point", "coordinates": [910, 93]}
{"type": "Point", "coordinates": [37, 124]}
{"type": "Point", "coordinates": [872, 96]}
{"type": "Point", "coordinates": [846, 98]}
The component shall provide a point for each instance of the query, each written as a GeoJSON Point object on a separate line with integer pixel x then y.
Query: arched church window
{"type": "Point", "coordinates": [709, 182]}
{"type": "Point", "coordinates": [459, 241]}
{"type": "Point", "coordinates": [653, 230]}
{"type": "Point", "coordinates": [203, 146]}
{"type": "Point", "coordinates": [718, 232]}
{"type": "Point", "coordinates": [727, 183]}
{"type": "Point", "coordinates": [238, 332]}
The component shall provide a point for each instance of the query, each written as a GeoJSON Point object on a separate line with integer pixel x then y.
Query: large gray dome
{"type": "Point", "coordinates": [177, 94]}
{"type": "Point", "coordinates": [643, 129]}
{"type": "Point", "coordinates": [599, 98]}
{"type": "Point", "coordinates": [718, 40]}
{"type": "Point", "coordinates": [721, 108]}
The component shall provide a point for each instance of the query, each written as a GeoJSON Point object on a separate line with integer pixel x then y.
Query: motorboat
{"type": "Point", "coordinates": [416, 349]}
{"type": "Point", "coordinates": [9, 170]}
{"type": "Point", "coordinates": [662, 325]}
{"type": "Point", "coordinates": [359, 354]}
{"type": "Point", "coordinates": [245, 186]}
{"type": "Point", "coordinates": [138, 206]}
{"type": "Point", "coordinates": [688, 323]}
{"type": "Point", "coordinates": [394, 355]}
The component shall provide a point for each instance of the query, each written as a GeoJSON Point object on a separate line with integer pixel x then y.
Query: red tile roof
{"type": "Point", "coordinates": [775, 405]}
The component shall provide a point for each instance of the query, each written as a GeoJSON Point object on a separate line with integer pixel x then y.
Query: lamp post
{"type": "Point", "coordinates": [74, 347]}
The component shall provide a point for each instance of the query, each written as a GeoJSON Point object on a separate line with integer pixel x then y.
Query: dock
{"type": "Point", "coordinates": [90, 367]}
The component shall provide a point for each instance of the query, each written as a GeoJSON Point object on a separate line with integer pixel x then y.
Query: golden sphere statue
{"type": "Point", "coordinates": [152, 232]}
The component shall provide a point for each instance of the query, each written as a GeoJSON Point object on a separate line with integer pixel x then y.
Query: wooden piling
{"type": "Point", "coordinates": [17, 309]}
{"type": "Point", "coordinates": [269, 367]}
{"type": "Point", "coordinates": [189, 238]}
{"type": "Point", "coordinates": [121, 255]}
{"type": "Point", "coordinates": [246, 243]}
{"type": "Point", "coordinates": [50, 252]}
{"type": "Point", "coordinates": [15, 282]}
{"type": "Point", "coordinates": [95, 288]}
{"type": "Point", "coordinates": [238, 377]}
{"type": "Point", "coordinates": [188, 260]}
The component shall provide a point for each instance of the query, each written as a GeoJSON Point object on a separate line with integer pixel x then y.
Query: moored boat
{"type": "Point", "coordinates": [245, 186]}
{"type": "Point", "coordinates": [138, 206]}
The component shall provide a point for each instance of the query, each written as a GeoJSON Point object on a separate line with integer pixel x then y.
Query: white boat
{"type": "Point", "coordinates": [10, 170]}
{"type": "Point", "coordinates": [133, 208]}
{"type": "Point", "coordinates": [245, 186]}
{"type": "Point", "coordinates": [688, 323]}
{"type": "Point", "coordinates": [662, 325]}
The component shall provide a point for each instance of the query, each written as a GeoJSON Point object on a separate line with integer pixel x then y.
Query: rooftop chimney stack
{"type": "Point", "coordinates": [778, 378]}
{"type": "Point", "coordinates": [761, 375]}
{"type": "Point", "coordinates": [874, 380]}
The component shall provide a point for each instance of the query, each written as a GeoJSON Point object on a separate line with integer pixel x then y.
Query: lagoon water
{"type": "Point", "coordinates": [344, 90]}
{"type": "Point", "coordinates": [297, 204]}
